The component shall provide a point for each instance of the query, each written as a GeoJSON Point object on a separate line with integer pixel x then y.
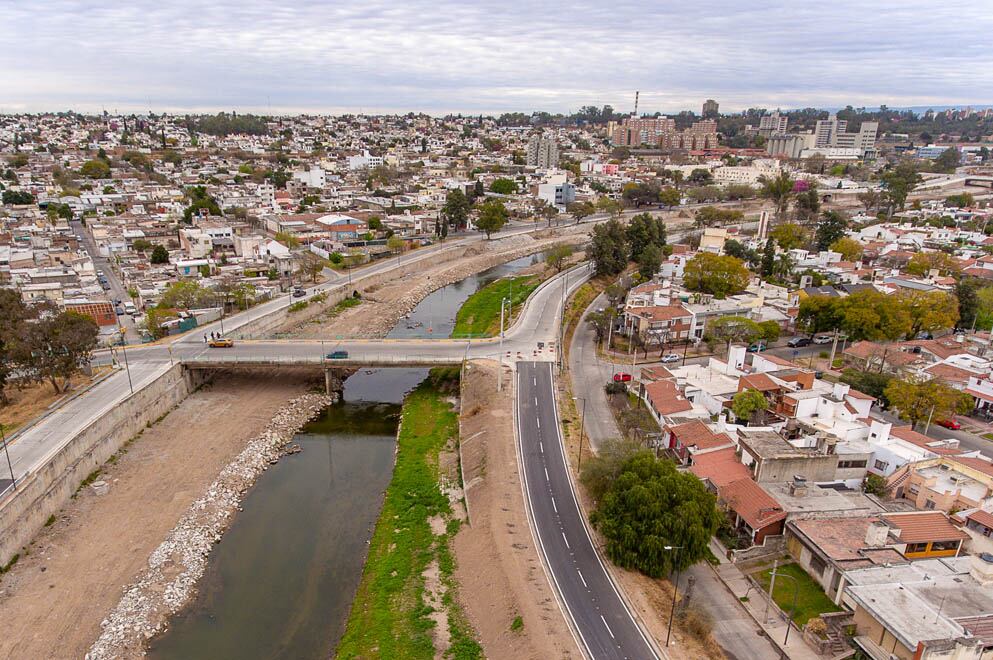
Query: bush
{"type": "Point", "coordinates": [517, 624]}
{"type": "Point", "coordinates": [874, 485]}
{"type": "Point", "coordinates": [823, 355]}
{"type": "Point", "coordinates": [615, 388]}
{"type": "Point", "coordinates": [297, 306]}
{"type": "Point", "coordinates": [697, 623]}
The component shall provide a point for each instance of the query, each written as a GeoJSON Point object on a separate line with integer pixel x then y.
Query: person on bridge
{"type": "Point", "coordinates": [205, 337]}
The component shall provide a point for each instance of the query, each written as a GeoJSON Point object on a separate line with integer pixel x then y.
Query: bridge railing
{"type": "Point", "coordinates": [308, 360]}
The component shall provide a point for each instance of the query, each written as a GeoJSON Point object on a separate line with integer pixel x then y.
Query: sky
{"type": "Point", "coordinates": [440, 56]}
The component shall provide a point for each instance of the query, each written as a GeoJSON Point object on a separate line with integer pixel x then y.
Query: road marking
{"type": "Point", "coordinates": [568, 546]}
{"type": "Point", "coordinates": [582, 578]}
{"type": "Point", "coordinates": [538, 422]}
{"type": "Point", "coordinates": [541, 447]}
{"type": "Point", "coordinates": [536, 402]}
{"type": "Point", "coordinates": [553, 505]}
{"type": "Point", "coordinates": [546, 475]}
{"type": "Point", "coordinates": [534, 381]}
{"type": "Point", "coordinates": [607, 627]}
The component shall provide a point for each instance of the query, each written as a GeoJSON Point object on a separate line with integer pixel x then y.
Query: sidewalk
{"type": "Point", "coordinates": [796, 648]}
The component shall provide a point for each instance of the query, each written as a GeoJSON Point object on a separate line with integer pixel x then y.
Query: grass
{"type": "Point", "coordinates": [811, 600]}
{"type": "Point", "coordinates": [517, 624]}
{"type": "Point", "coordinates": [479, 315]}
{"type": "Point", "coordinates": [343, 305]}
{"type": "Point", "coordinates": [988, 436]}
{"type": "Point", "coordinates": [390, 617]}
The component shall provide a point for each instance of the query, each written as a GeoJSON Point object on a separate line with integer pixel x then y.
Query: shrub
{"type": "Point", "coordinates": [823, 355]}
{"type": "Point", "coordinates": [517, 625]}
{"type": "Point", "coordinates": [697, 623]}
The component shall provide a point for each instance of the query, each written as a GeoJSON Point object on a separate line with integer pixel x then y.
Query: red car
{"type": "Point", "coordinates": [622, 378]}
{"type": "Point", "coordinates": [949, 424]}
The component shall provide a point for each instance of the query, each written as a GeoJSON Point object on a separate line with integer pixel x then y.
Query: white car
{"type": "Point", "coordinates": [823, 339]}
{"type": "Point", "coordinates": [669, 358]}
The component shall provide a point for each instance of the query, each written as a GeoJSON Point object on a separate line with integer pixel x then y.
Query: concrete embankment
{"type": "Point", "coordinates": [44, 492]}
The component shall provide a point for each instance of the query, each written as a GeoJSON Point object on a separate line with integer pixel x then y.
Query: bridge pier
{"type": "Point", "coordinates": [333, 382]}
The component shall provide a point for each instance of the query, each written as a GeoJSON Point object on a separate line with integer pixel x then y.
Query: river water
{"type": "Point", "coordinates": [280, 585]}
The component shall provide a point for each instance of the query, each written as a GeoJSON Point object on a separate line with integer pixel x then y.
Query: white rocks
{"type": "Point", "coordinates": [100, 487]}
{"type": "Point", "coordinates": [178, 563]}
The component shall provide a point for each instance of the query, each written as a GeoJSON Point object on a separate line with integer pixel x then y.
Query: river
{"type": "Point", "coordinates": [280, 585]}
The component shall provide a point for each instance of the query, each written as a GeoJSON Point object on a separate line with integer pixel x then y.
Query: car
{"type": "Point", "coordinates": [299, 293]}
{"type": "Point", "coordinates": [622, 378]}
{"type": "Point", "coordinates": [757, 347]}
{"type": "Point", "coordinates": [823, 339]}
{"type": "Point", "coordinates": [797, 342]}
{"type": "Point", "coordinates": [337, 355]}
{"type": "Point", "coordinates": [949, 424]}
{"type": "Point", "coordinates": [118, 310]}
{"type": "Point", "coordinates": [669, 358]}
{"type": "Point", "coordinates": [221, 342]}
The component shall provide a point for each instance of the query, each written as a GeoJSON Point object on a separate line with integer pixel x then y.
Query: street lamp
{"type": "Point", "coordinates": [675, 589]}
{"type": "Point", "coordinates": [582, 427]}
{"type": "Point", "coordinates": [10, 466]}
{"type": "Point", "coordinates": [796, 589]}
{"type": "Point", "coordinates": [127, 367]}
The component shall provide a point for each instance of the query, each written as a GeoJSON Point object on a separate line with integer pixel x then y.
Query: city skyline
{"type": "Point", "coordinates": [439, 58]}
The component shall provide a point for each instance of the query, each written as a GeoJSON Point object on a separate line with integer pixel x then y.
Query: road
{"type": "Point", "coordinates": [605, 626]}
{"type": "Point", "coordinates": [117, 290]}
{"type": "Point", "coordinates": [589, 374]}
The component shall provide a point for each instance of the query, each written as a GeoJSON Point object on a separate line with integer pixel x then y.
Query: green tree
{"type": "Point", "coordinates": [831, 227]}
{"type": "Point", "coordinates": [311, 266]}
{"type": "Point", "coordinates": [287, 239]}
{"type": "Point", "coordinates": [900, 181]}
{"type": "Point", "coordinates": [873, 315]}
{"type": "Point", "coordinates": [807, 204]}
{"type": "Point", "coordinates": [872, 383]}
{"type": "Point", "coordinates": [651, 505]}
{"type": "Point", "coordinates": [17, 197]}
{"type": "Point", "coordinates": [923, 263]}
{"type": "Point", "coordinates": [375, 223]}
{"type": "Point", "coordinates": [747, 404]}
{"type": "Point", "coordinates": [779, 190]}
{"type": "Point", "coordinates": [141, 245]}
{"type": "Point", "coordinates": [600, 471]}
{"type": "Point", "coordinates": [492, 217]}
{"type": "Point", "coordinates": [718, 275]}
{"type": "Point", "coordinates": [709, 216]}
{"type": "Point", "coordinates": [929, 310]}
{"type": "Point", "coordinates": [557, 256]}
{"type": "Point", "coordinates": [649, 261]}
{"type": "Point", "coordinates": [961, 200]}
{"type": "Point", "coordinates": [95, 169]}
{"type": "Point", "coordinates": [160, 255]}
{"type": "Point", "coordinates": [770, 331]}
{"type": "Point", "coordinates": [395, 244]}
{"type": "Point", "coordinates": [948, 160]}
{"type": "Point", "coordinates": [734, 329]}
{"type": "Point", "coordinates": [200, 200]}
{"type": "Point", "coordinates": [185, 295]}
{"type": "Point", "coordinates": [608, 249]}
{"type": "Point", "coordinates": [609, 206]}
{"type": "Point", "coordinates": [769, 257]}
{"type": "Point", "coordinates": [56, 346]}
{"type": "Point", "coordinates": [581, 210]}
{"type": "Point", "coordinates": [644, 231]}
{"type": "Point", "coordinates": [455, 212]}
{"type": "Point", "coordinates": [669, 196]}
{"type": "Point", "coordinates": [790, 236]}
{"type": "Point", "coordinates": [504, 186]}
{"type": "Point", "coordinates": [918, 400]}
{"type": "Point", "coordinates": [13, 314]}
{"type": "Point", "coordinates": [848, 248]}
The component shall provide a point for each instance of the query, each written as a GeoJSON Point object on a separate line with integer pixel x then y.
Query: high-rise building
{"type": "Point", "coordinates": [700, 135]}
{"type": "Point", "coordinates": [827, 130]}
{"type": "Point", "coordinates": [831, 132]}
{"type": "Point", "coordinates": [636, 131]}
{"type": "Point", "coordinates": [775, 123]}
{"type": "Point", "coordinates": [710, 108]}
{"type": "Point", "coordinates": [543, 152]}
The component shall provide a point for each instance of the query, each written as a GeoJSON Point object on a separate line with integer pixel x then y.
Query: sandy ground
{"type": "Point", "coordinates": [383, 306]}
{"type": "Point", "coordinates": [54, 599]}
{"type": "Point", "coordinates": [499, 573]}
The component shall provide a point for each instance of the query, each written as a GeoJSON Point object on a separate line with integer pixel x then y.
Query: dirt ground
{"type": "Point", "coordinates": [53, 600]}
{"type": "Point", "coordinates": [499, 573]}
{"type": "Point", "coordinates": [383, 306]}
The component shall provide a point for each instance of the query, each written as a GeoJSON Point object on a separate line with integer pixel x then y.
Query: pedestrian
{"type": "Point", "coordinates": [205, 337]}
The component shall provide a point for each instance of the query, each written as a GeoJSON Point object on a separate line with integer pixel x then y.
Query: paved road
{"type": "Point", "coordinates": [117, 290]}
{"type": "Point", "coordinates": [598, 614]}
{"type": "Point", "coordinates": [589, 374]}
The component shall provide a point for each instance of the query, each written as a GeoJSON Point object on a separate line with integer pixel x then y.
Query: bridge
{"type": "Point", "coordinates": [979, 182]}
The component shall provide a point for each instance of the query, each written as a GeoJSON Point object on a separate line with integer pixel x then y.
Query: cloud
{"type": "Point", "coordinates": [439, 55]}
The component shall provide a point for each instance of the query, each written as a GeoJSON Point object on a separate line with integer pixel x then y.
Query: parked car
{"type": "Point", "coordinates": [798, 341]}
{"type": "Point", "coordinates": [622, 378]}
{"type": "Point", "coordinates": [221, 342]}
{"type": "Point", "coordinates": [669, 358]}
{"type": "Point", "coordinates": [757, 347]}
{"type": "Point", "coordinates": [118, 310]}
{"type": "Point", "coordinates": [949, 424]}
{"type": "Point", "coordinates": [299, 293]}
{"type": "Point", "coordinates": [823, 339]}
{"type": "Point", "coordinates": [337, 355]}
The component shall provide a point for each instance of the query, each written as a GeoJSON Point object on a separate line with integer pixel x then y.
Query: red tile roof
{"type": "Point", "coordinates": [979, 464]}
{"type": "Point", "coordinates": [755, 506]}
{"type": "Point", "coordinates": [759, 382]}
{"type": "Point", "coordinates": [721, 467]}
{"type": "Point", "coordinates": [982, 517]}
{"type": "Point", "coordinates": [913, 437]}
{"type": "Point", "coordinates": [924, 526]}
{"type": "Point", "coordinates": [666, 398]}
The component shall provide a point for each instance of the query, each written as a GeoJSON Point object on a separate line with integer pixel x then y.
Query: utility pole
{"type": "Point", "coordinates": [834, 347]}
{"type": "Point", "coordinates": [582, 429]}
{"type": "Point", "coordinates": [127, 367]}
{"type": "Point", "coordinates": [500, 357]}
{"type": "Point", "coordinates": [10, 466]}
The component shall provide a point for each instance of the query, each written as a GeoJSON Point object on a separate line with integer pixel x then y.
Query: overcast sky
{"type": "Point", "coordinates": [438, 56]}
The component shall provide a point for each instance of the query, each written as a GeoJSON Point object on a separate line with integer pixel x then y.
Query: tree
{"type": "Point", "coordinates": [870, 199]}
{"type": "Point", "coordinates": [557, 256]}
{"type": "Point", "coordinates": [649, 261]}
{"type": "Point", "coordinates": [790, 236]}
{"type": "Point", "coordinates": [929, 310]}
{"type": "Point", "coordinates": [503, 186]}
{"type": "Point", "coordinates": [581, 210]}
{"type": "Point", "coordinates": [395, 244]}
{"type": "Point", "coordinates": [13, 314]}
{"type": "Point", "coordinates": [770, 330]}
{"type": "Point", "coordinates": [807, 204]}
{"type": "Point", "coordinates": [160, 255]}
{"type": "Point", "coordinates": [609, 206]}
{"type": "Point", "coordinates": [287, 239]}
{"type": "Point", "coordinates": [455, 212]}
{"type": "Point", "coordinates": [56, 346]}
{"type": "Point", "coordinates": [769, 257]}
{"type": "Point", "coordinates": [601, 322]}
{"type": "Point", "coordinates": [185, 295]}
{"type": "Point", "coordinates": [900, 181]}
{"type": "Point", "coordinates": [872, 383]}
{"type": "Point", "coordinates": [779, 189]}
{"type": "Point", "coordinates": [700, 176]}
{"type": "Point", "coordinates": [545, 210]}
{"type": "Point", "coordinates": [848, 248]}
{"type": "Point", "coordinates": [95, 169]}
{"type": "Point", "coordinates": [718, 275]}
{"type": "Point", "coordinates": [141, 245]}
{"type": "Point", "coordinates": [735, 329]}
{"type": "Point", "coordinates": [375, 223]}
{"type": "Point", "coordinates": [961, 200]}
{"type": "Point", "coordinates": [923, 263]}
{"type": "Point", "coordinates": [709, 216]}
{"type": "Point", "coordinates": [919, 400]}
{"type": "Point", "coordinates": [311, 266]}
{"type": "Point", "coordinates": [639, 194]}
{"type": "Point", "coordinates": [669, 196]}
{"type": "Point", "coordinates": [831, 227]}
{"type": "Point", "coordinates": [17, 197]}
{"type": "Point", "coordinates": [601, 470]}
{"type": "Point", "coordinates": [747, 404]}
{"type": "Point", "coordinates": [649, 506]}
{"type": "Point", "coordinates": [492, 217]}
{"type": "Point", "coordinates": [608, 249]}
{"type": "Point", "coordinates": [643, 231]}
{"type": "Point", "coordinates": [871, 314]}
{"type": "Point", "coordinates": [948, 160]}
{"type": "Point", "coordinates": [200, 200]}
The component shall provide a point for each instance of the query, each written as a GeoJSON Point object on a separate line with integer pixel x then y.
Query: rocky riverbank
{"type": "Point", "coordinates": [174, 568]}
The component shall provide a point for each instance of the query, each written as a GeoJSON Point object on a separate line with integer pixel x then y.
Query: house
{"type": "Point", "coordinates": [668, 323]}
{"type": "Point", "coordinates": [754, 512]}
{"type": "Point", "coordinates": [693, 438]}
{"type": "Point", "coordinates": [945, 483]}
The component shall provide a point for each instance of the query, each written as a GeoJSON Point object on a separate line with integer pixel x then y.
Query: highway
{"type": "Point", "coordinates": [596, 612]}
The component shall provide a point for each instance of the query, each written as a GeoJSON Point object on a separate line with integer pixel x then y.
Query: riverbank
{"type": "Point", "coordinates": [406, 604]}
{"type": "Point", "coordinates": [54, 599]}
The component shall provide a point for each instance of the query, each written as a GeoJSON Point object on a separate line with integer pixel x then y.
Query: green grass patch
{"type": "Point", "coordinates": [811, 600]}
{"type": "Point", "coordinates": [298, 306]}
{"type": "Point", "coordinates": [50, 521]}
{"type": "Point", "coordinates": [988, 436]}
{"type": "Point", "coordinates": [342, 306]}
{"type": "Point", "coordinates": [517, 624]}
{"type": "Point", "coordinates": [389, 616]}
{"type": "Point", "coordinates": [479, 315]}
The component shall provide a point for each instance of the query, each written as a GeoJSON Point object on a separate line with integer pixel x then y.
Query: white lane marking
{"type": "Point", "coordinates": [582, 578]}
{"type": "Point", "coordinates": [568, 546]}
{"type": "Point", "coordinates": [607, 627]}
{"type": "Point", "coordinates": [546, 474]}
{"type": "Point", "coordinates": [536, 402]}
{"type": "Point", "coordinates": [538, 422]}
{"type": "Point", "coordinates": [553, 505]}
{"type": "Point", "coordinates": [534, 381]}
{"type": "Point", "coordinates": [541, 447]}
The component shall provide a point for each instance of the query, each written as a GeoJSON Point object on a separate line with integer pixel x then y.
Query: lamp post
{"type": "Point", "coordinates": [582, 427]}
{"type": "Point", "coordinates": [6, 451]}
{"type": "Point", "coordinates": [675, 589]}
{"type": "Point", "coordinates": [796, 590]}
{"type": "Point", "coordinates": [127, 367]}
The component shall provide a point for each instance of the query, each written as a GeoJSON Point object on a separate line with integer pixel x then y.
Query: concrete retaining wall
{"type": "Point", "coordinates": [45, 492]}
